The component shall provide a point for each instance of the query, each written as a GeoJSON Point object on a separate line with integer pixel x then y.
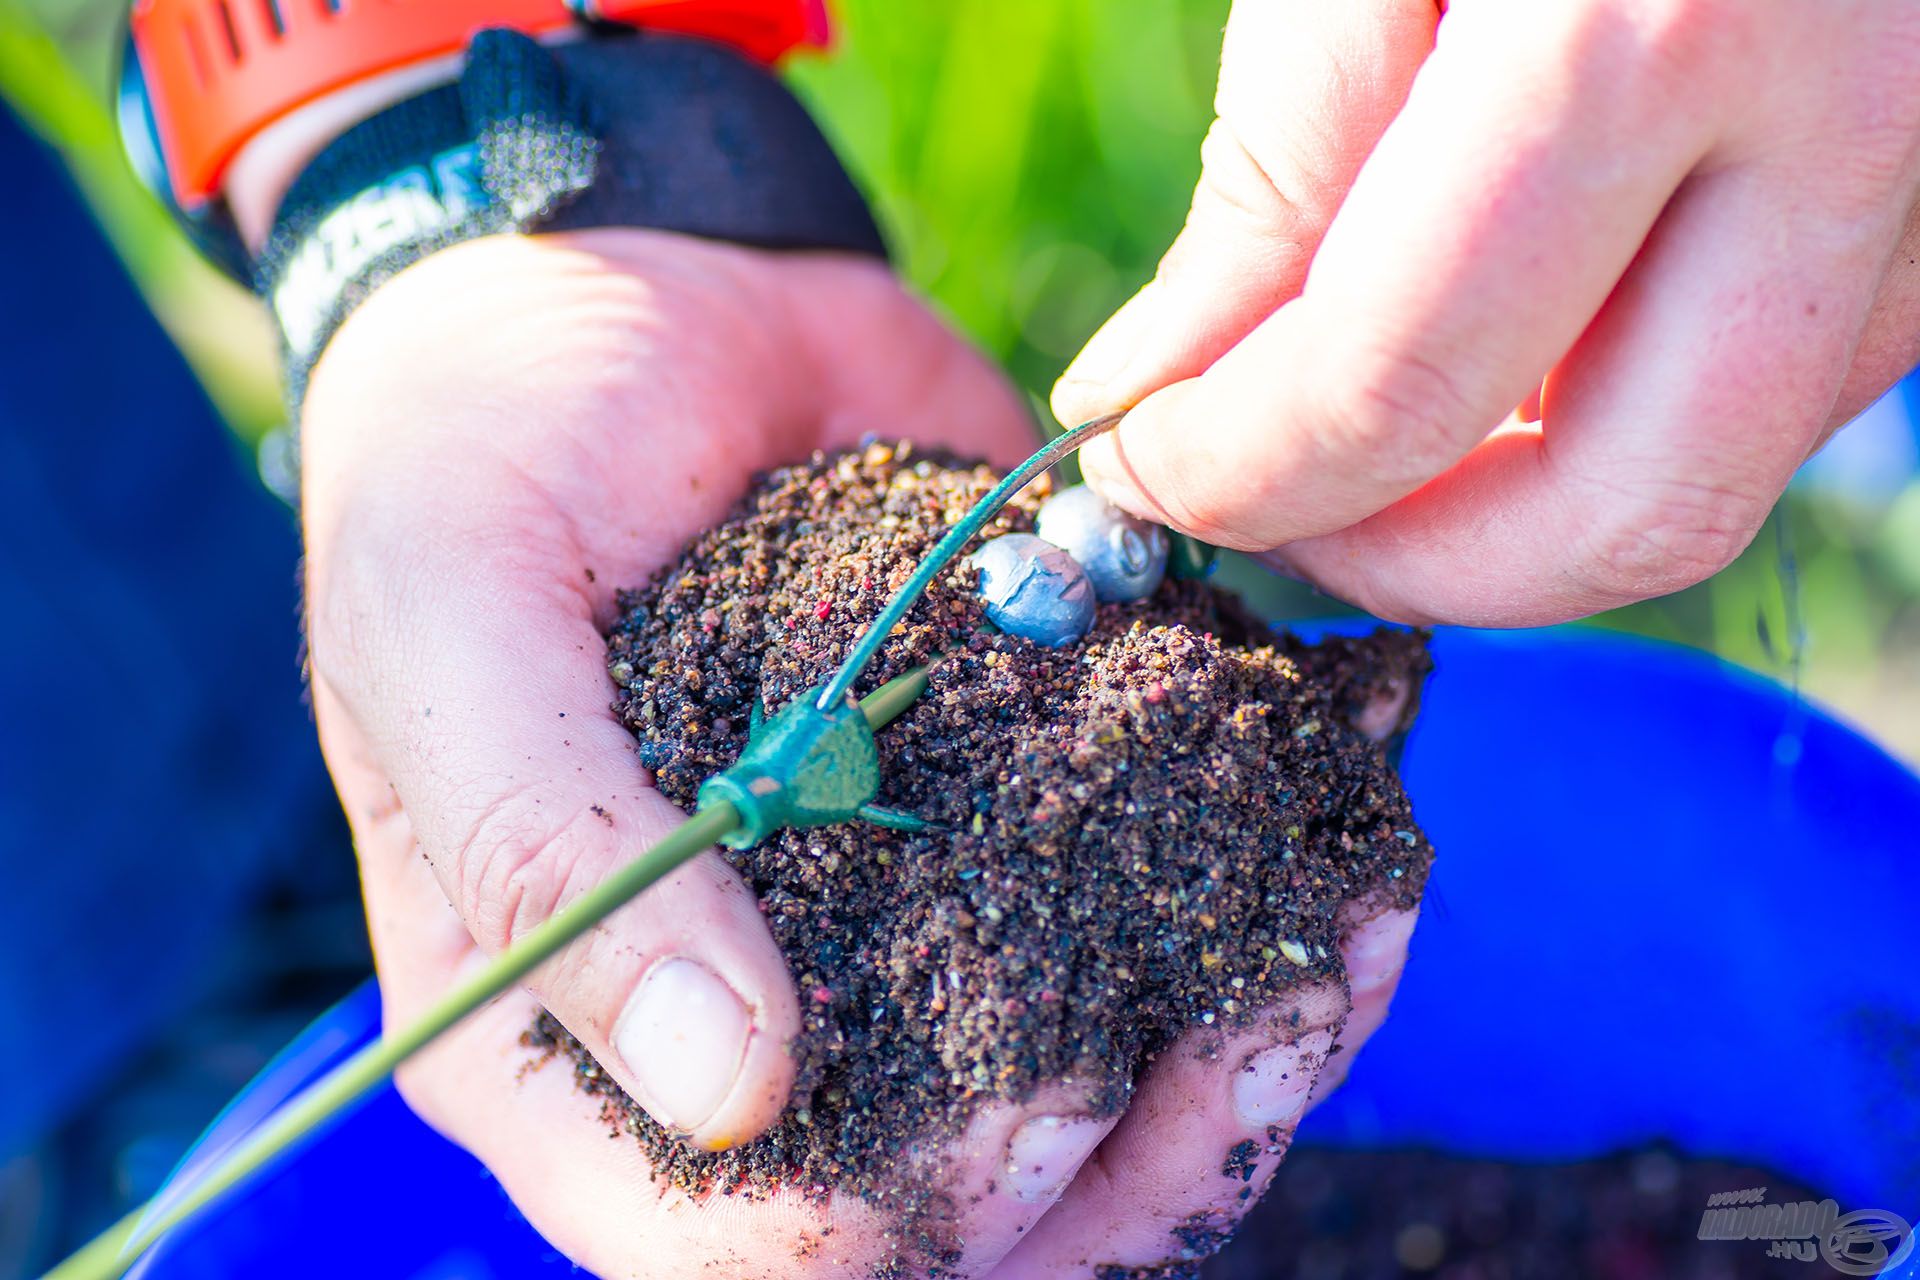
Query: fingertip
{"type": "Point", "coordinates": [1122, 465]}
{"type": "Point", "coordinates": [1206, 1128]}
{"type": "Point", "coordinates": [1045, 1152]}
{"type": "Point", "coordinates": [1103, 467]}
{"type": "Point", "coordinates": [1162, 464]}
{"type": "Point", "coordinates": [757, 1100]}
{"type": "Point", "coordinates": [1374, 951]}
{"type": "Point", "coordinates": [1270, 1091]}
{"type": "Point", "coordinates": [1075, 400]}
{"type": "Point", "coordinates": [1097, 381]}
{"type": "Point", "coordinates": [768, 1067]}
{"type": "Point", "coordinates": [1007, 1168]}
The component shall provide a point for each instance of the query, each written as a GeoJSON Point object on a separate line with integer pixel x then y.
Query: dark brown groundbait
{"type": "Point", "coordinates": [1137, 831]}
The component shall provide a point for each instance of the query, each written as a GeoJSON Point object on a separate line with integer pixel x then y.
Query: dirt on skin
{"type": "Point", "coordinates": [1149, 831]}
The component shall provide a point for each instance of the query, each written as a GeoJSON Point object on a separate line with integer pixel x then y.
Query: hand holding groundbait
{"type": "Point", "coordinates": [1678, 234]}
{"type": "Point", "coordinates": [497, 437]}
{"type": "Point", "coordinates": [493, 442]}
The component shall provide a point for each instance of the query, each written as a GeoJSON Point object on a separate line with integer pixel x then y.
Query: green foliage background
{"type": "Point", "coordinates": [1030, 159]}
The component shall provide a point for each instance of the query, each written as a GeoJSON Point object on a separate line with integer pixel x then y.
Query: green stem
{"type": "Point", "coordinates": [947, 548]}
{"type": "Point", "coordinates": [362, 1073]}
{"type": "Point", "coordinates": [890, 701]}
{"type": "Point", "coordinates": [110, 1254]}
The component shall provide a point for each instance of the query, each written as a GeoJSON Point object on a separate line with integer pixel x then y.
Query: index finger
{"type": "Point", "coordinates": [1536, 150]}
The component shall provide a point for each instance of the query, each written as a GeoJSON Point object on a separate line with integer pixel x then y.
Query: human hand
{"type": "Point", "coordinates": [495, 442]}
{"type": "Point", "coordinates": [1678, 234]}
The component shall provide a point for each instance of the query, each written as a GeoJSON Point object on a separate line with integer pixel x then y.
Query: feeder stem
{"type": "Point", "coordinates": [367, 1069]}
{"type": "Point", "coordinates": [110, 1254]}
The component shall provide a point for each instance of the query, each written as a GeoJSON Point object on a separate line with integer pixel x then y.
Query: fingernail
{"type": "Point", "coordinates": [683, 1036]}
{"type": "Point", "coordinates": [1366, 977]}
{"type": "Point", "coordinates": [1272, 1088]}
{"type": "Point", "coordinates": [1378, 953]}
{"type": "Point", "coordinates": [1046, 1151]}
{"type": "Point", "coordinates": [1379, 719]}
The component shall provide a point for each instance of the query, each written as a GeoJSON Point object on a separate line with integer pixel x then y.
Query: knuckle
{"type": "Point", "coordinates": [1249, 207]}
{"type": "Point", "coordinates": [1271, 184]}
{"type": "Point", "coordinates": [1326, 1006]}
{"type": "Point", "coordinates": [514, 868]}
{"type": "Point", "coordinates": [1234, 180]}
{"type": "Point", "coordinates": [1683, 40]}
{"type": "Point", "coordinates": [1651, 540]}
{"type": "Point", "coordinates": [1412, 413]}
{"type": "Point", "coordinates": [1316, 1007]}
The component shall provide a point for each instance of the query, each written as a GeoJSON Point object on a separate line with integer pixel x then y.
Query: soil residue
{"type": "Point", "coordinates": [1149, 831]}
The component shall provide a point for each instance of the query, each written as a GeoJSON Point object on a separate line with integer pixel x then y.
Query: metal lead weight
{"type": "Point", "coordinates": [1125, 557]}
{"type": "Point", "coordinates": [1034, 590]}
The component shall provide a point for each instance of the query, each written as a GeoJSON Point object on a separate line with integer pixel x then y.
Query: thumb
{"type": "Point", "coordinates": [1306, 89]}
{"type": "Point", "coordinates": [458, 510]}
{"type": "Point", "coordinates": [482, 703]}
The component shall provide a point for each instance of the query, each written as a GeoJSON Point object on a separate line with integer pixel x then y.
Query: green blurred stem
{"type": "Point", "coordinates": [365, 1071]}
{"type": "Point", "coordinates": [108, 1256]}
{"type": "Point", "coordinates": [221, 330]}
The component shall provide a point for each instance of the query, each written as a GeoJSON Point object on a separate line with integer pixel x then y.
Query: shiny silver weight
{"type": "Point", "coordinates": [1125, 557]}
{"type": "Point", "coordinates": [1034, 590]}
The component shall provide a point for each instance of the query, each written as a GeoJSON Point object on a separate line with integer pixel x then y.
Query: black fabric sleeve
{"type": "Point", "coordinates": [617, 129]}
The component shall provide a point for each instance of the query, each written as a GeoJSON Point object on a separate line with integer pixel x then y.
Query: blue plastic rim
{"type": "Point", "coordinates": [1673, 902]}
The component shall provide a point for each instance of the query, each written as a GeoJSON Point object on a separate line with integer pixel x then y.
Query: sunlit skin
{"type": "Point", "coordinates": [1677, 234]}
{"type": "Point", "coordinates": [494, 443]}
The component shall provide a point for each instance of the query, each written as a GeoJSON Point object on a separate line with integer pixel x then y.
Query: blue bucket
{"type": "Point", "coordinates": [1673, 902]}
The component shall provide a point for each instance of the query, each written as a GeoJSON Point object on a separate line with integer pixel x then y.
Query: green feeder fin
{"type": "Point", "coordinates": [804, 767]}
{"type": "Point", "coordinates": [880, 816]}
{"type": "Point", "coordinates": [1190, 557]}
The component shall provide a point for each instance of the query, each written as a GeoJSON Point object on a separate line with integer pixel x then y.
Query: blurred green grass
{"type": "Point", "coordinates": [1030, 159]}
{"type": "Point", "coordinates": [57, 59]}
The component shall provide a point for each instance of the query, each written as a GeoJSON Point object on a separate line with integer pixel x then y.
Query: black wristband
{"type": "Point", "coordinates": [620, 129]}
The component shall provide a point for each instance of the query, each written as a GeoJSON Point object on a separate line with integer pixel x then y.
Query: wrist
{"type": "Point", "coordinates": [230, 109]}
{"type": "Point", "coordinates": [618, 131]}
{"type": "Point", "coordinates": [210, 85]}
{"type": "Point", "coordinates": [265, 167]}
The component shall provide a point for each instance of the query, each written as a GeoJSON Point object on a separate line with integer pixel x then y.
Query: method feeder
{"type": "Point", "coordinates": [811, 764]}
